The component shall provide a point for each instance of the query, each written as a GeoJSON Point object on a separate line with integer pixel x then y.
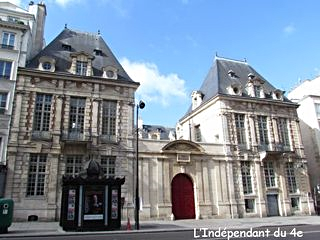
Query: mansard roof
{"type": "Point", "coordinates": [75, 42]}
{"type": "Point", "coordinates": [227, 72]}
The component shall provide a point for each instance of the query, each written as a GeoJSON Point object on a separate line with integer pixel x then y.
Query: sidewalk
{"type": "Point", "coordinates": [53, 228]}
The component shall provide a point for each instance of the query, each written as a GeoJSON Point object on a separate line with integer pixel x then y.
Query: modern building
{"type": "Point", "coordinates": [307, 95]}
{"type": "Point", "coordinates": [238, 153]}
{"type": "Point", "coordinates": [18, 30]}
{"type": "Point", "coordinates": [73, 103]}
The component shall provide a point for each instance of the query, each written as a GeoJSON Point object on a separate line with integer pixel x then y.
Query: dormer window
{"type": "Point", "coordinates": [97, 52]}
{"type": "Point", "coordinates": [277, 95]}
{"type": "Point", "coordinates": [81, 68]}
{"type": "Point", "coordinates": [110, 72]}
{"type": "Point", "coordinates": [255, 86]}
{"type": "Point", "coordinates": [66, 47]}
{"type": "Point", "coordinates": [81, 64]}
{"type": "Point", "coordinates": [235, 89]}
{"type": "Point", "coordinates": [197, 97]}
{"type": "Point", "coordinates": [47, 64]}
{"type": "Point", "coordinates": [257, 91]}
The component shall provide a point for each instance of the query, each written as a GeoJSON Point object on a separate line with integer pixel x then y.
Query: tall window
{"type": "Point", "coordinates": [317, 107]}
{"type": "Point", "coordinates": [269, 174]}
{"type": "Point", "coordinates": [5, 69]}
{"type": "Point", "coordinates": [81, 68]}
{"type": "Point", "coordinates": [292, 185]}
{"type": "Point", "coordinates": [8, 40]}
{"type": "Point", "coordinates": [263, 130]}
{"type": "Point", "coordinates": [246, 177]}
{"type": "Point", "coordinates": [37, 175]}
{"type": "Point", "coordinates": [108, 164]}
{"type": "Point", "coordinates": [3, 101]}
{"type": "Point", "coordinates": [283, 131]}
{"type": "Point", "coordinates": [73, 165]}
{"type": "Point", "coordinates": [42, 112]}
{"type": "Point", "coordinates": [197, 133]}
{"type": "Point", "coordinates": [109, 117]}
{"type": "Point", "coordinates": [257, 91]}
{"type": "Point", "coordinates": [240, 128]}
{"type": "Point", "coordinates": [76, 116]}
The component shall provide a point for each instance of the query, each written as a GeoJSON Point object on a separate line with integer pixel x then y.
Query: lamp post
{"type": "Point", "coordinates": [141, 105]}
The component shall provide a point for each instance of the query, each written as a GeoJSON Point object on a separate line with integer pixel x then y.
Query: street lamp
{"type": "Point", "coordinates": [141, 105]}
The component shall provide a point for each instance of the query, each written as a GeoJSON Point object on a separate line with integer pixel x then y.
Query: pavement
{"type": "Point", "coordinates": [30, 229]}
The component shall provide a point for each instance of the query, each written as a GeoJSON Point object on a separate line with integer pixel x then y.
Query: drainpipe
{"type": "Point", "coordinates": [229, 186]}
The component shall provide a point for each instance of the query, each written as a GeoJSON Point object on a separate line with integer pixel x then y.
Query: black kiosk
{"type": "Point", "coordinates": [90, 201]}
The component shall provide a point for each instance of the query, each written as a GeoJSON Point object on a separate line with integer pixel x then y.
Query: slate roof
{"type": "Point", "coordinates": [80, 42]}
{"type": "Point", "coordinates": [164, 131]}
{"type": "Point", "coordinates": [218, 80]}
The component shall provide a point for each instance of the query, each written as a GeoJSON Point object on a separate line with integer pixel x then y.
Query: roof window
{"type": "Point", "coordinates": [97, 52]}
{"type": "Point", "coordinates": [66, 47]}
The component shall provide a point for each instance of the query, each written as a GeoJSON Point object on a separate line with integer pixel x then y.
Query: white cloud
{"type": "Point", "coordinates": [64, 3]}
{"type": "Point", "coordinates": [290, 29]}
{"type": "Point", "coordinates": [155, 86]}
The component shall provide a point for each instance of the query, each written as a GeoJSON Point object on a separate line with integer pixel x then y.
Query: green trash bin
{"type": "Point", "coordinates": [6, 214]}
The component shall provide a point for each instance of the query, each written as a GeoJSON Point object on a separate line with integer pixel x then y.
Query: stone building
{"type": "Point", "coordinates": [73, 103]}
{"type": "Point", "coordinates": [238, 153]}
{"type": "Point", "coordinates": [18, 33]}
{"type": "Point", "coordinates": [307, 95]}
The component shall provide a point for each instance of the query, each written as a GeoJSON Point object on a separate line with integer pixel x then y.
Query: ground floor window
{"type": "Point", "coordinates": [295, 202]}
{"type": "Point", "coordinates": [37, 174]}
{"type": "Point", "coordinates": [108, 164]}
{"type": "Point", "coordinates": [250, 205]}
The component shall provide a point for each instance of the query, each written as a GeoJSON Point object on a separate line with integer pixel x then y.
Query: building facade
{"type": "Point", "coordinates": [73, 103]}
{"type": "Point", "coordinates": [307, 95]}
{"type": "Point", "coordinates": [17, 31]}
{"type": "Point", "coordinates": [238, 153]}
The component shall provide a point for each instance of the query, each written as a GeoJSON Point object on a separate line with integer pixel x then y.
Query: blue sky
{"type": "Point", "coordinates": [169, 45]}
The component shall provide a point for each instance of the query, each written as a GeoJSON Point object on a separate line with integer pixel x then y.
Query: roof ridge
{"type": "Point", "coordinates": [83, 32]}
{"type": "Point", "coordinates": [231, 59]}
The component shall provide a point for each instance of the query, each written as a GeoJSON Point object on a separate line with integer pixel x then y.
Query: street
{"type": "Point", "coordinates": [305, 232]}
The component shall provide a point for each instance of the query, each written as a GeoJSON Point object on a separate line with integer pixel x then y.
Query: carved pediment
{"type": "Point", "coordinates": [183, 146]}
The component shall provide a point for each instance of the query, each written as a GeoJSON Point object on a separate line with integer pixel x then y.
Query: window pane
{"type": "Point", "coordinates": [37, 174]}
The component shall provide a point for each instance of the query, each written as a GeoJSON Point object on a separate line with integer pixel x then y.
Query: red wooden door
{"type": "Point", "coordinates": [182, 197]}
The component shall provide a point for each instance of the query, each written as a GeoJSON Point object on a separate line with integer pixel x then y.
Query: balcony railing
{"type": "Point", "coordinates": [107, 138]}
{"type": "Point", "coordinates": [41, 135]}
{"type": "Point", "coordinates": [75, 135]}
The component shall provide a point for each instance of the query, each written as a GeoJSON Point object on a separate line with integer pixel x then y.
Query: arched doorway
{"type": "Point", "coordinates": [182, 197]}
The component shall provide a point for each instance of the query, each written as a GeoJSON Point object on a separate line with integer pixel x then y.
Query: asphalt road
{"type": "Point", "coordinates": [303, 232]}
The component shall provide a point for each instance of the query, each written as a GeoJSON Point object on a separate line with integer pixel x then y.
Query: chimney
{"type": "Point", "coordinates": [37, 29]}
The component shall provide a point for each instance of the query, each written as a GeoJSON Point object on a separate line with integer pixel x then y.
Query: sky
{"type": "Point", "coordinates": [169, 45]}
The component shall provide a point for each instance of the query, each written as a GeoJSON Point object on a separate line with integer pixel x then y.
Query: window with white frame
{"type": "Point", "coordinates": [246, 177]}
{"type": "Point", "coordinates": [81, 68]}
{"type": "Point", "coordinates": [317, 107]}
{"type": "Point", "coordinates": [108, 164]}
{"type": "Point", "coordinates": [73, 165]}
{"type": "Point", "coordinates": [283, 132]}
{"type": "Point", "coordinates": [76, 115]}
{"type": "Point", "coordinates": [109, 119]}
{"type": "Point", "coordinates": [197, 133]}
{"type": "Point", "coordinates": [3, 101]}
{"type": "Point", "coordinates": [269, 175]}
{"type": "Point", "coordinates": [5, 69]}
{"type": "Point", "coordinates": [257, 91]}
{"type": "Point", "coordinates": [42, 112]}
{"type": "Point", "coordinates": [263, 130]}
{"type": "Point", "coordinates": [37, 175]}
{"type": "Point", "coordinates": [291, 178]}
{"type": "Point", "coordinates": [240, 128]}
{"type": "Point", "coordinates": [8, 39]}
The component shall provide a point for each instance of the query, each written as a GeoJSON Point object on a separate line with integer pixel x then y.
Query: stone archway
{"type": "Point", "coordinates": [182, 193]}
